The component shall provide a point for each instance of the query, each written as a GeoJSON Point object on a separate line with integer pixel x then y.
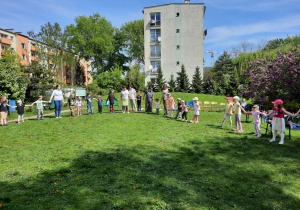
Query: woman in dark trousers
{"type": "Point", "coordinates": [165, 91]}
{"type": "Point", "coordinates": [57, 94]}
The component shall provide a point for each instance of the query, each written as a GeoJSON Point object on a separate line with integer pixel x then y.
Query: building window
{"type": "Point", "coordinates": [3, 48]}
{"type": "Point", "coordinates": [177, 30]}
{"type": "Point", "coordinates": [155, 51]}
{"type": "Point", "coordinates": [155, 65]}
{"type": "Point", "coordinates": [153, 80]}
{"type": "Point", "coordinates": [24, 57]}
{"type": "Point", "coordinates": [178, 47]}
{"type": "Point", "coordinates": [177, 63]}
{"type": "Point", "coordinates": [23, 46]}
{"type": "Point", "coordinates": [155, 19]}
{"type": "Point", "coordinates": [12, 38]}
{"type": "Point", "coordinates": [155, 34]}
{"type": "Point", "coordinates": [177, 14]}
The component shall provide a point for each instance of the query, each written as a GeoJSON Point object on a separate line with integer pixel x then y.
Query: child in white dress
{"type": "Point", "coordinates": [196, 110]}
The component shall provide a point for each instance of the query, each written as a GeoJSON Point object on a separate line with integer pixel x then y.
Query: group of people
{"type": "Point", "coordinates": [233, 107]}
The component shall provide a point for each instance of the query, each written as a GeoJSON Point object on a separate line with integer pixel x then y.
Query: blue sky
{"type": "Point", "coordinates": [228, 22]}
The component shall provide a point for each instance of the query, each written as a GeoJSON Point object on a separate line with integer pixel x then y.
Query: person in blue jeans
{"type": "Point", "coordinates": [57, 94]}
{"type": "Point", "coordinates": [89, 103]}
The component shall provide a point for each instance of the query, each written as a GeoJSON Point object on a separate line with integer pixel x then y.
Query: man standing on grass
{"type": "Point", "coordinates": [149, 100]}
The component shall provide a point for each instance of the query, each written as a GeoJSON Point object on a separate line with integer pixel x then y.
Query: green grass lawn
{"type": "Point", "coordinates": [126, 161]}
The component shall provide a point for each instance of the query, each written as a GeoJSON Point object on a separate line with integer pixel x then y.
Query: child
{"type": "Point", "coordinates": [196, 110]}
{"type": "Point", "coordinates": [238, 114]}
{"type": "Point", "coordinates": [20, 108]}
{"type": "Point", "coordinates": [139, 101]}
{"type": "Point", "coordinates": [72, 102]}
{"type": "Point", "coordinates": [125, 95]}
{"type": "Point", "coordinates": [157, 106]}
{"type": "Point", "coordinates": [229, 109]}
{"type": "Point", "coordinates": [244, 104]}
{"type": "Point", "coordinates": [255, 113]}
{"type": "Point", "coordinates": [3, 110]}
{"type": "Point", "coordinates": [171, 104]}
{"type": "Point", "coordinates": [278, 123]}
{"type": "Point", "coordinates": [40, 107]}
{"type": "Point", "coordinates": [149, 100]}
{"type": "Point", "coordinates": [179, 109]}
{"type": "Point", "coordinates": [89, 103]}
{"type": "Point", "coordinates": [111, 98]}
{"type": "Point", "coordinates": [79, 104]}
{"type": "Point", "coordinates": [185, 111]}
{"type": "Point", "coordinates": [100, 100]}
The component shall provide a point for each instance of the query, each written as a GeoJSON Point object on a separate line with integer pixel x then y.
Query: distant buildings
{"type": "Point", "coordinates": [173, 36]}
{"type": "Point", "coordinates": [28, 50]}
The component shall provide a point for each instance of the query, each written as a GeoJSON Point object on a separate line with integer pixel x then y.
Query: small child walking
{"type": "Point", "coordinates": [278, 123]}
{"type": "Point", "coordinates": [256, 118]}
{"type": "Point", "coordinates": [196, 110]}
{"type": "Point", "coordinates": [185, 111]}
{"type": "Point", "coordinates": [79, 104]}
{"type": "Point", "coordinates": [229, 109]}
{"type": "Point", "coordinates": [238, 114]}
{"type": "Point", "coordinates": [139, 101]}
{"type": "Point", "coordinates": [100, 101]}
{"type": "Point", "coordinates": [179, 109]}
{"type": "Point", "coordinates": [20, 109]}
{"type": "Point", "coordinates": [157, 103]}
{"type": "Point", "coordinates": [3, 110]}
{"type": "Point", "coordinates": [72, 102]}
{"type": "Point", "coordinates": [171, 104]}
{"type": "Point", "coordinates": [40, 107]}
{"type": "Point", "coordinates": [89, 103]}
{"type": "Point", "coordinates": [111, 98]}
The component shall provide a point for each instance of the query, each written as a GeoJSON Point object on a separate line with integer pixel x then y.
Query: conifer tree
{"type": "Point", "coordinates": [182, 80]}
{"type": "Point", "coordinates": [197, 83]}
{"type": "Point", "coordinates": [172, 83]}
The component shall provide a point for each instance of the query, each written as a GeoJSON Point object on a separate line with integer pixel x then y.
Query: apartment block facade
{"type": "Point", "coordinates": [28, 50]}
{"type": "Point", "coordinates": [173, 37]}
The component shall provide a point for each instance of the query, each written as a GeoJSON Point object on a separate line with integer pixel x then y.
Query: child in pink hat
{"type": "Point", "coordinates": [278, 124]}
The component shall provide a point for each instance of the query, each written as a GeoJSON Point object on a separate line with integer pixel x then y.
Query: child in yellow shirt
{"type": "Point", "coordinates": [229, 109]}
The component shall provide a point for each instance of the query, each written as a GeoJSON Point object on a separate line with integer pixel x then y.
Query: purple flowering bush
{"type": "Point", "coordinates": [279, 77]}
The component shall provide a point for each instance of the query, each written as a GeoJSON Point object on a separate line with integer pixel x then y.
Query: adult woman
{"type": "Point", "coordinates": [57, 94]}
{"type": "Point", "coordinates": [165, 91]}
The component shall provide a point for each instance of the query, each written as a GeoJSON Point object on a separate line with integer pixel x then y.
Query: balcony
{"type": "Point", "coordinates": [69, 81]}
{"type": "Point", "coordinates": [5, 41]}
{"type": "Point", "coordinates": [33, 48]}
{"type": "Point", "coordinates": [68, 73]}
{"type": "Point", "coordinates": [154, 23]}
{"type": "Point", "coordinates": [155, 39]}
{"type": "Point", "coordinates": [51, 62]}
{"type": "Point", "coordinates": [155, 55]}
{"type": "Point", "coordinates": [35, 59]}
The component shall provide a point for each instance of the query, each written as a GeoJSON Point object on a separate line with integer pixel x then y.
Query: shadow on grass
{"type": "Point", "coordinates": [230, 173]}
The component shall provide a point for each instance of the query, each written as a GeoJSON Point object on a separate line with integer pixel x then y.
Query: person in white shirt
{"type": "Point", "coordinates": [58, 97]}
{"type": "Point", "coordinates": [132, 93]}
{"type": "Point", "coordinates": [157, 103]}
{"type": "Point", "coordinates": [125, 95]}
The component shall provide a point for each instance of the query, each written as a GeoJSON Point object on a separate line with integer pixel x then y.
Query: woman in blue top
{"type": "Point", "coordinates": [57, 94]}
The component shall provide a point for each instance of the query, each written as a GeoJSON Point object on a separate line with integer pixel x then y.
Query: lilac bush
{"type": "Point", "coordinates": [279, 77]}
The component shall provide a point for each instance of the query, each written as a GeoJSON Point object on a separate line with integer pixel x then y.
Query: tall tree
{"type": "Point", "coordinates": [233, 84]}
{"type": "Point", "coordinates": [209, 86]}
{"type": "Point", "coordinates": [92, 38]}
{"type": "Point", "coordinates": [160, 81]}
{"type": "Point", "coordinates": [172, 83]}
{"type": "Point", "coordinates": [182, 80]}
{"type": "Point", "coordinates": [12, 83]}
{"type": "Point", "coordinates": [111, 79]}
{"type": "Point", "coordinates": [52, 38]}
{"type": "Point", "coordinates": [222, 86]}
{"type": "Point", "coordinates": [223, 68]}
{"type": "Point", "coordinates": [134, 32]}
{"type": "Point", "coordinates": [197, 83]}
{"type": "Point", "coordinates": [135, 77]}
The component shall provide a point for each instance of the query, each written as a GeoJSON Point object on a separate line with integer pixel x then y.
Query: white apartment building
{"type": "Point", "coordinates": [173, 37]}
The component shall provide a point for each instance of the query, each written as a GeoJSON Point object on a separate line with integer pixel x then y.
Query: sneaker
{"type": "Point", "coordinates": [281, 142]}
{"type": "Point", "coordinates": [5, 124]}
{"type": "Point", "coordinates": [127, 112]}
{"type": "Point", "coordinates": [222, 126]}
{"type": "Point", "coordinates": [123, 112]}
{"type": "Point", "coordinates": [235, 129]}
{"type": "Point", "coordinates": [255, 134]}
{"type": "Point", "coordinates": [259, 135]}
{"type": "Point", "coordinates": [56, 117]}
{"type": "Point", "coordinates": [240, 131]}
{"type": "Point", "coordinates": [186, 121]}
{"type": "Point", "coordinates": [70, 115]}
{"type": "Point", "coordinates": [182, 120]}
{"type": "Point", "coordinates": [191, 121]}
{"type": "Point", "coordinates": [18, 122]}
{"type": "Point", "coordinates": [272, 140]}
{"type": "Point", "coordinates": [197, 122]}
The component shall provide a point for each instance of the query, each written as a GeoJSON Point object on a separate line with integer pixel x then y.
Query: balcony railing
{"type": "Point", "coordinates": [35, 59]}
{"type": "Point", "coordinates": [5, 41]}
{"type": "Point", "coordinates": [155, 55]}
{"type": "Point", "coordinates": [33, 48]}
{"type": "Point", "coordinates": [154, 23]}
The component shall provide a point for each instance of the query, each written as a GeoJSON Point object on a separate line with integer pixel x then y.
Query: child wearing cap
{"type": "Point", "coordinates": [179, 109]}
{"type": "Point", "coordinates": [238, 114]}
{"type": "Point", "coordinates": [20, 109]}
{"type": "Point", "coordinates": [256, 113]}
{"type": "Point", "coordinates": [157, 103]}
{"type": "Point", "coordinates": [185, 111]}
{"type": "Point", "coordinates": [278, 123]}
{"type": "Point", "coordinates": [229, 109]}
{"type": "Point", "coordinates": [171, 104]}
{"type": "Point", "coordinates": [196, 110]}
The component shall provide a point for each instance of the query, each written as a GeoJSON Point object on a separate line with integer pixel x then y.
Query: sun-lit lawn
{"type": "Point", "coordinates": [141, 161]}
